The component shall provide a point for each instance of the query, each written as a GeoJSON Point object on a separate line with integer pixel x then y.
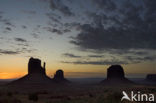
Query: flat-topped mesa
{"type": "Point", "coordinates": [34, 66]}
{"type": "Point", "coordinates": [151, 77]}
{"type": "Point", "coordinates": [116, 76]}
{"type": "Point", "coordinates": [115, 71]}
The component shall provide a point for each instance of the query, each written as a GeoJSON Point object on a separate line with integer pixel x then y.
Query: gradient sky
{"type": "Point", "coordinates": [82, 37]}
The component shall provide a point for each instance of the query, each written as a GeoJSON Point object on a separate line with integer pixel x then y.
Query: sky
{"type": "Point", "coordinates": [83, 38]}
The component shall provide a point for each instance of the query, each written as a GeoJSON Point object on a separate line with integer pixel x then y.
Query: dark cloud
{"type": "Point", "coordinates": [100, 38]}
{"type": "Point", "coordinates": [131, 27]}
{"type": "Point", "coordinates": [29, 12]}
{"type": "Point", "coordinates": [20, 48]}
{"type": "Point", "coordinates": [60, 6]}
{"type": "Point", "coordinates": [105, 4]}
{"type": "Point", "coordinates": [105, 62]}
{"type": "Point", "coordinates": [9, 24]}
{"type": "Point", "coordinates": [84, 57]}
{"type": "Point", "coordinates": [57, 31]}
{"type": "Point", "coordinates": [148, 58]}
{"type": "Point", "coordinates": [16, 51]}
{"type": "Point", "coordinates": [96, 56]}
{"type": "Point", "coordinates": [54, 17]}
{"type": "Point", "coordinates": [53, 30]}
{"type": "Point", "coordinates": [66, 30]}
{"type": "Point", "coordinates": [113, 60]}
{"type": "Point", "coordinates": [23, 45]}
{"type": "Point", "coordinates": [26, 50]}
{"type": "Point", "coordinates": [24, 27]}
{"type": "Point", "coordinates": [8, 28]}
{"type": "Point", "coordinates": [129, 52]}
{"type": "Point", "coordinates": [134, 59]}
{"type": "Point", "coordinates": [126, 57]}
{"type": "Point", "coordinates": [6, 22]}
{"type": "Point", "coordinates": [20, 40]}
{"type": "Point", "coordinates": [9, 52]}
{"type": "Point", "coordinates": [72, 25]}
{"type": "Point", "coordinates": [71, 55]}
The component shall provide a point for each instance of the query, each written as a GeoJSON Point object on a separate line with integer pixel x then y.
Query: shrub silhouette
{"type": "Point", "coordinates": [9, 94]}
{"type": "Point", "coordinates": [33, 97]}
{"type": "Point", "coordinates": [10, 100]}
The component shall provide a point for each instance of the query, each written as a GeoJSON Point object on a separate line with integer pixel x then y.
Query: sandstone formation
{"type": "Point", "coordinates": [116, 75]}
{"type": "Point", "coordinates": [151, 77]}
{"type": "Point", "coordinates": [115, 71]}
{"type": "Point", "coordinates": [59, 77]}
{"type": "Point", "coordinates": [34, 66]}
{"type": "Point", "coordinates": [36, 74]}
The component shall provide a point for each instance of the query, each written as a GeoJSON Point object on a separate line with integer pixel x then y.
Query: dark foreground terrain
{"type": "Point", "coordinates": [79, 91]}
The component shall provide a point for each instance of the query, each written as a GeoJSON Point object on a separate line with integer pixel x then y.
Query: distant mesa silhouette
{"type": "Point", "coordinates": [115, 71]}
{"type": "Point", "coordinates": [36, 74]}
{"type": "Point", "coordinates": [59, 77]}
{"type": "Point", "coordinates": [151, 77]}
{"type": "Point", "coordinates": [116, 75]}
{"type": "Point", "coordinates": [59, 74]}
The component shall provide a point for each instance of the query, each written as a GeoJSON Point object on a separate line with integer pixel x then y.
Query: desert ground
{"type": "Point", "coordinates": [78, 91]}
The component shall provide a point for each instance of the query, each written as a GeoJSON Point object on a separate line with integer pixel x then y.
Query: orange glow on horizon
{"type": "Point", "coordinates": [72, 71]}
{"type": "Point", "coordinates": [11, 75]}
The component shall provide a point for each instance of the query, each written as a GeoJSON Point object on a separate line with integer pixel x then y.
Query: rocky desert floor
{"type": "Point", "coordinates": [71, 93]}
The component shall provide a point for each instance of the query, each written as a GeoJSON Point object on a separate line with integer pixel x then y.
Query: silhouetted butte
{"type": "Point", "coordinates": [151, 77]}
{"type": "Point", "coordinates": [59, 77]}
{"type": "Point", "coordinates": [36, 74]}
{"type": "Point", "coordinates": [34, 66]}
{"type": "Point", "coordinates": [116, 75]}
